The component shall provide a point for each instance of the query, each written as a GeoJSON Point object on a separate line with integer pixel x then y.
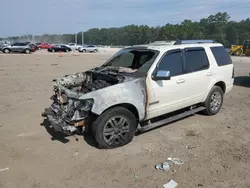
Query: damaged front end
{"type": "Point", "coordinates": [69, 112]}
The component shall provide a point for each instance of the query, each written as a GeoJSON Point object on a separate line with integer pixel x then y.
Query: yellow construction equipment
{"type": "Point", "coordinates": [239, 50]}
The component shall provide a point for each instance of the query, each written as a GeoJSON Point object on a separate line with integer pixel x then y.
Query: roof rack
{"type": "Point", "coordinates": [193, 41]}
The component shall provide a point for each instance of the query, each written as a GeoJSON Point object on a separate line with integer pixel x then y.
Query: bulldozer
{"type": "Point", "coordinates": [239, 50]}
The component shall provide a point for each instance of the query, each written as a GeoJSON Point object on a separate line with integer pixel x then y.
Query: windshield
{"type": "Point", "coordinates": [139, 60]}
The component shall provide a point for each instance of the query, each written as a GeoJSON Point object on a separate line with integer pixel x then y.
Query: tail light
{"type": "Point", "coordinates": [233, 73]}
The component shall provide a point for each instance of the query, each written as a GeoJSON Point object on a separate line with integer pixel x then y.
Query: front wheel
{"type": "Point", "coordinates": [6, 51]}
{"type": "Point", "coordinates": [214, 101]}
{"type": "Point", "coordinates": [114, 128]}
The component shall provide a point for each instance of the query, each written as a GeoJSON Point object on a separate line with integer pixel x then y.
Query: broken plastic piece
{"type": "Point", "coordinates": [170, 184]}
{"type": "Point", "coordinates": [4, 169]}
{"type": "Point", "coordinates": [176, 161]}
{"type": "Point", "coordinates": [164, 166]}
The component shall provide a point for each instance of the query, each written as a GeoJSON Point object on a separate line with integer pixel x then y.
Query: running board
{"type": "Point", "coordinates": [170, 119]}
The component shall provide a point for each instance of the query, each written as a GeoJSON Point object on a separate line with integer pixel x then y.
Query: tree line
{"type": "Point", "coordinates": [218, 27]}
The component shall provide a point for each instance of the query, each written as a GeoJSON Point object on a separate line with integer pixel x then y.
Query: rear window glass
{"type": "Point", "coordinates": [196, 60]}
{"type": "Point", "coordinates": [221, 55]}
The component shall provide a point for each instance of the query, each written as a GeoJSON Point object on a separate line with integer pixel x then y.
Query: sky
{"type": "Point", "coordinates": [21, 17]}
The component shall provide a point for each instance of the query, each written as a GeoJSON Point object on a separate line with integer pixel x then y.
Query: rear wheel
{"type": "Point", "coordinates": [27, 51]}
{"type": "Point", "coordinates": [114, 128]}
{"type": "Point", "coordinates": [53, 50]}
{"type": "Point", "coordinates": [214, 101]}
{"type": "Point", "coordinates": [6, 51]}
{"type": "Point", "coordinates": [238, 52]}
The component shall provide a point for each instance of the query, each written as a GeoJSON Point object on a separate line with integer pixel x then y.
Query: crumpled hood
{"type": "Point", "coordinates": [75, 85]}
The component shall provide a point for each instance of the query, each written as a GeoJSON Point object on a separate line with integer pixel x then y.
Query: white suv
{"type": "Point", "coordinates": [140, 88]}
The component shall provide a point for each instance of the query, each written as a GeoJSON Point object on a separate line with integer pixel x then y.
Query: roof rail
{"type": "Point", "coordinates": [193, 41]}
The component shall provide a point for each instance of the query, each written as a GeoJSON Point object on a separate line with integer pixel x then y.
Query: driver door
{"type": "Point", "coordinates": [166, 96]}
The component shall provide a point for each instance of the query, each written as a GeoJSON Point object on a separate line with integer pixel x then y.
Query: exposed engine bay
{"type": "Point", "coordinates": [69, 113]}
{"type": "Point", "coordinates": [91, 80]}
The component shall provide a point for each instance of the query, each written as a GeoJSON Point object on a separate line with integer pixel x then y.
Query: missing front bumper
{"type": "Point", "coordinates": [62, 126]}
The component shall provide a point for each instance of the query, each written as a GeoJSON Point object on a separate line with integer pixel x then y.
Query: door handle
{"type": "Point", "coordinates": [180, 81]}
{"type": "Point", "coordinates": [209, 73]}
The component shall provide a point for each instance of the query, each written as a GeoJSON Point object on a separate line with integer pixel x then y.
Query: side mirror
{"type": "Point", "coordinates": [162, 75]}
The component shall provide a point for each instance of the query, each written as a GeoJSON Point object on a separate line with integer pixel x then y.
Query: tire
{"type": "Point", "coordinates": [95, 51]}
{"type": "Point", "coordinates": [238, 52]}
{"type": "Point", "coordinates": [52, 50]}
{"type": "Point", "coordinates": [27, 51]}
{"type": "Point", "coordinates": [67, 50]}
{"type": "Point", "coordinates": [214, 101]}
{"type": "Point", "coordinates": [84, 51]}
{"type": "Point", "coordinates": [109, 122]}
{"type": "Point", "coordinates": [6, 51]}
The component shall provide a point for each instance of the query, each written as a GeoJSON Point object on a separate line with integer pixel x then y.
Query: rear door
{"type": "Point", "coordinates": [89, 48]}
{"type": "Point", "coordinates": [198, 74]}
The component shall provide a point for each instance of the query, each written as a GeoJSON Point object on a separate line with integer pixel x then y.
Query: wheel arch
{"type": "Point", "coordinates": [128, 106]}
{"type": "Point", "coordinates": [220, 84]}
{"type": "Point", "coordinates": [5, 49]}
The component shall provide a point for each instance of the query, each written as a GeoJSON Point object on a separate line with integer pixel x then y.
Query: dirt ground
{"type": "Point", "coordinates": [215, 150]}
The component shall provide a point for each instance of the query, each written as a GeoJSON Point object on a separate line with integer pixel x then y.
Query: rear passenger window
{"type": "Point", "coordinates": [221, 55]}
{"type": "Point", "coordinates": [173, 63]}
{"type": "Point", "coordinates": [196, 60]}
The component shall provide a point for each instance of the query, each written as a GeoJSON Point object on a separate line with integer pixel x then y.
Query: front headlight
{"type": "Point", "coordinates": [85, 104]}
{"type": "Point", "coordinates": [63, 98]}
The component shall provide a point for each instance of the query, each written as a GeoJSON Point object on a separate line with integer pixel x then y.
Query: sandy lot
{"type": "Point", "coordinates": [215, 150]}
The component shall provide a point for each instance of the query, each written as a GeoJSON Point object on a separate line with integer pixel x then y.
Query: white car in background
{"type": "Point", "coordinates": [74, 46]}
{"type": "Point", "coordinates": [88, 48]}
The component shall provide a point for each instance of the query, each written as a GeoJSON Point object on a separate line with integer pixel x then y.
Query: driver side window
{"type": "Point", "coordinates": [172, 62]}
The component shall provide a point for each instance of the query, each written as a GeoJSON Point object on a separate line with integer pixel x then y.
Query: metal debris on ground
{"type": "Point", "coordinates": [164, 166]}
{"type": "Point", "coordinates": [190, 147]}
{"type": "Point", "coordinates": [170, 184]}
{"type": "Point", "coordinates": [176, 161]}
{"type": "Point", "coordinates": [137, 176]}
{"type": "Point", "coordinates": [27, 134]}
{"type": "Point", "coordinates": [76, 154]}
{"type": "Point", "coordinates": [4, 169]}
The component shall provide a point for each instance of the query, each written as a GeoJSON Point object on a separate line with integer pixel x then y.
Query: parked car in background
{"type": "Point", "coordinates": [88, 48]}
{"type": "Point", "coordinates": [59, 48]}
{"type": "Point", "coordinates": [74, 46]}
{"type": "Point", "coordinates": [3, 44]}
{"type": "Point", "coordinates": [45, 45]}
{"type": "Point", "coordinates": [20, 47]}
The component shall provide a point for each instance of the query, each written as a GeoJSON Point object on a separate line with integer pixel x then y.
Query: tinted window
{"type": "Point", "coordinates": [196, 59]}
{"type": "Point", "coordinates": [22, 44]}
{"type": "Point", "coordinates": [221, 55]}
{"type": "Point", "coordinates": [173, 63]}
